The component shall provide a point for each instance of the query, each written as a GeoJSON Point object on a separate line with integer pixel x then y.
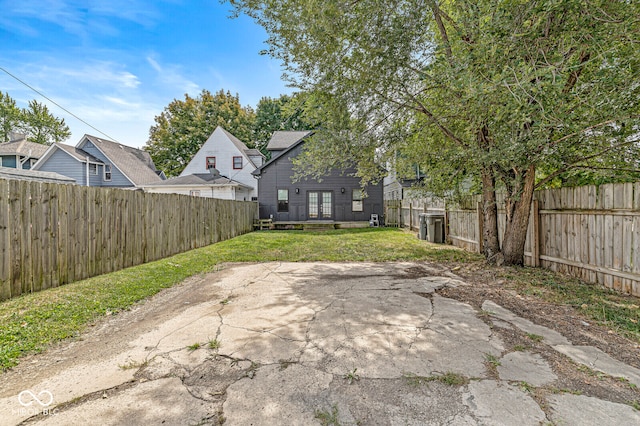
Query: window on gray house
{"type": "Point", "coordinates": [211, 163]}
{"type": "Point", "coordinates": [356, 200]}
{"type": "Point", "coordinates": [93, 169]}
{"type": "Point", "coordinates": [283, 200]}
{"type": "Point", "coordinates": [107, 172]}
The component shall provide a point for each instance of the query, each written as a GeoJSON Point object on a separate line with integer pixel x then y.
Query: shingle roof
{"type": "Point", "coordinates": [283, 139]}
{"type": "Point", "coordinates": [23, 147]}
{"type": "Point", "coordinates": [35, 175]}
{"type": "Point", "coordinates": [77, 153]}
{"type": "Point", "coordinates": [207, 179]}
{"type": "Point", "coordinates": [242, 147]}
{"type": "Point", "coordinates": [134, 163]}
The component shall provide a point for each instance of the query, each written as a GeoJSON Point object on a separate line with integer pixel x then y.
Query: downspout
{"type": "Point", "coordinates": [87, 171]}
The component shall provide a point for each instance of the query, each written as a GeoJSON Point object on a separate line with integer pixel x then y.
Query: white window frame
{"type": "Point", "coordinates": [357, 205]}
{"type": "Point", "coordinates": [107, 179]}
{"type": "Point", "coordinates": [93, 169]}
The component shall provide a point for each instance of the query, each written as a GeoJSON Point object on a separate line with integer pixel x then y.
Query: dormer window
{"type": "Point", "coordinates": [237, 163]}
{"type": "Point", "coordinates": [211, 163]}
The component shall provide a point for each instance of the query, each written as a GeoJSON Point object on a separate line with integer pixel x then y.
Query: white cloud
{"type": "Point", "coordinates": [78, 17]}
{"type": "Point", "coordinates": [170, 75]}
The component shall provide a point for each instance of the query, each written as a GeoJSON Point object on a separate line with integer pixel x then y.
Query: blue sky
{"type": "Point", "coordinates": [117, 63]}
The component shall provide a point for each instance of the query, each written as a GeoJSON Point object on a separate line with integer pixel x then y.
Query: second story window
{"type": "Point", "coordinates": [237, 163]}
{"type": "Point", "coordinates": [93, 169]}
{"type": "Point", "coordinates": [211, 163]}
{"type": "Point", "coordinates": [107, 172]}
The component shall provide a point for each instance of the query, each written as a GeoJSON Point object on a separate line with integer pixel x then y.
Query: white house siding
{"type": "Point", "coordinates": [220, 146]}
{"type": "Point", "coordinates": [222, 192]}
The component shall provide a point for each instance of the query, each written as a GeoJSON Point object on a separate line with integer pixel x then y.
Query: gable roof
{"type": "Point", "coordinates": [23, 147]}
{"type": "Point", "coordinates": [75, 153]}
{"type": "Point", "coordinates": [198, 179]}
{"type": "Point", "coordinates": [135, 164]}
{"type": "Point", "coordinates": [242, 147]}
{"type": "Point", "coordinates": [218, 137]}
{"type": "Point", "coordinates": [302, 136]}
{"type": "Point", "coordinates": [283, 139]}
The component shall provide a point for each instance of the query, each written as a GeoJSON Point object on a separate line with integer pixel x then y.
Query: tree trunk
{"type": "Point", "coordinates": [518, 209]}
{"type": "Point", "coordinates": [491, 245]}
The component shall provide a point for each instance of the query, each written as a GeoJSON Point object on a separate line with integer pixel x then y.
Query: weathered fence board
{"type": "Point", "coordinates": [54, 234]}
{"type": "Point", "coordinates": [592, 232]}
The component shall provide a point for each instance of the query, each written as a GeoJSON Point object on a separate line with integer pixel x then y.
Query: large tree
{"type": "Point", "coordinates": [486, 91]}
{"type": "Point", "coordinates": [35, 121]}
{"type": "Point", "coordinates": [42, 127]}
{"type": "Point", "coordinates": [184, 125]}
{"type": "Point", "coordinates": [10, 117]}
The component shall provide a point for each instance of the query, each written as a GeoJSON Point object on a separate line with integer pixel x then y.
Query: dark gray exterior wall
{"type": "Point", "coordinates": [277, 175]}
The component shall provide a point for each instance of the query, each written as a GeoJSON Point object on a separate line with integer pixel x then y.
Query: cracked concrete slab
{"type": "Point", "coordinates": [277, 343]}
{"type": "Point", "coordinates": [551, 337]}
{"type": "Point", "coordinates": [597, 360]}
{"type": "Point", "coordinates": [495, 403]}
{"type": "Point", "coordinates": [525, 367]}
{"type": "Point", "coordinates": [588, 356]}
{"type": "Point", "coordinates": [580, 410]}
{"type": "Point", "coordinates": [163, 401]}
{"type": "Point", "coordinates": [277, 396]}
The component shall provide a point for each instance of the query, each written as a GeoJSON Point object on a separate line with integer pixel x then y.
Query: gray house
{"type": "Point", "coordinates": [338, 197]}
{"type": "Point", "coordinates": [19, 153]}
{"type": "Point", "coordinates": [100, 162]}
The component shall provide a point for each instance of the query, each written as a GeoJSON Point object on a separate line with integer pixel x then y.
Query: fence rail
{"type": "Point", "coordinates": [591, 232]}
{"type": "Point", "coordinates": [53, 234]}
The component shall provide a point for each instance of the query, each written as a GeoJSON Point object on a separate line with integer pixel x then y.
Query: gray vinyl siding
{"type": "Point", "coordinates": [277, 175]}
{"type": "Point", "coordinates": [117, 178]}
{"type": "Point", "coordinates": [9, 161]}
{"type": "Point", "coordinates": [64, 164]}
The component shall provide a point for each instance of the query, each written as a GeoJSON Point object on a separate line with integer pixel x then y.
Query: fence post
{"type": "Point", "coordinates": [410, 217]}
{"type": "Point", "coordinates": [480, 228]}
{"type": "Point", "coordinates": [535, 237]}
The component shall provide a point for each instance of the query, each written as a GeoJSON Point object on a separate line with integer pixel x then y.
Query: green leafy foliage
{"type": "Point", "coordinates": [42, 127]}
{"type": "Point", "coordinates": [10, 117]}
{"type": "Point", "coordinates": [516, 95]}
{"type": "Point", "coordinates": [184, 126]}
{"type": "Point", "coordinates": [283, 113]}
{"type": "Point", "coordinates": [39, 125]}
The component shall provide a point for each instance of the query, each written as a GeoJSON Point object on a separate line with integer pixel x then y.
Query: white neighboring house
{"type": "Point", "coordinates": [221, 168]}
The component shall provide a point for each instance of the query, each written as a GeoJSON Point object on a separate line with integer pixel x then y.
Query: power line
{"type": "Point", "coordinates": [59, 106]}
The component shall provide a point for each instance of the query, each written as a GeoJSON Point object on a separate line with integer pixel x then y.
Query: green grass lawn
{"type": "Point", "coordinates": [32, 322]}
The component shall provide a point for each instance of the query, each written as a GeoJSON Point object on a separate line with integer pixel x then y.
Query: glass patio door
{"type": "Point", "coordinates": [320, 205]}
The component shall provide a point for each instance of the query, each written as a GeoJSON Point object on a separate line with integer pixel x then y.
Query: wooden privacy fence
{"type": "Point", "coordinates": [591, 232]}
{"type": "Point", "coordinates": [406, 213]}
{"type": "Point", "coordinates": [53, 234]}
